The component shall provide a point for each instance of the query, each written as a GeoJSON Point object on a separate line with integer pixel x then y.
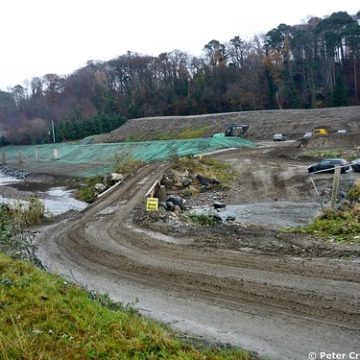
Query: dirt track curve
{"type": "Point", "coordinates": [281, 307]}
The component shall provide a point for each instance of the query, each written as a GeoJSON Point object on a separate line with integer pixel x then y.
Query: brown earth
{"type": "Point", "coordinates": [281, 295]}
{"type": "Point", "coordinates": [263, 124]}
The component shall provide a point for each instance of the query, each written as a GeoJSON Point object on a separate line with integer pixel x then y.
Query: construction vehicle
{"type": "Point", "coordinates": [236, 130]}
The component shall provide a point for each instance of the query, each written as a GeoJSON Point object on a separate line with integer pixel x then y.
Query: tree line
{"type": "Point", "coordinates": [314, 64]}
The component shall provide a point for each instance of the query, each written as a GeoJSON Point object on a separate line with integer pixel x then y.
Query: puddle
{"type": "Point", "coordinates": [56, 201]}
{"type": "Point", "coordinates": [6, 180]}
{"type": "Point", "coordinates": [270, 214]}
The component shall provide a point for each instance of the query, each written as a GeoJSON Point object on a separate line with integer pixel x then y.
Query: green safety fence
{"type": "Point", "coordinates": [76, 153]}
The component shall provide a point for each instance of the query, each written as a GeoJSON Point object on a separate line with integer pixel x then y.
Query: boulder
{"type": "Point", "coordinates": [205, 181]}
{"type": "Point", "coordinates": [117, 177]}
{"type": "Point", "coordinates": [218, 205]}
{"type": "Point", "coordinates": [177, 200]}
{"type": "Point", "coordinates": [100, 188]}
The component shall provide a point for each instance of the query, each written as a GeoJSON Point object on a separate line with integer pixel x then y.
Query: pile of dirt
{"type": "Point", "coordinates": [263, 124]}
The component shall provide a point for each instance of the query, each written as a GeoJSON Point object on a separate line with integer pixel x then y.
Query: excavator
{"type": "Point", "coordinates": [236, 130]}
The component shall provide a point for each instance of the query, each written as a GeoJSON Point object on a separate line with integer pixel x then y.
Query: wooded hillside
{"type": "Point", "coordinates": [311, 65]}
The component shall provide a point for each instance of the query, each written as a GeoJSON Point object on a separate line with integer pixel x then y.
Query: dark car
{"type": "Point", "coordinates": [329, 165]}
{"type": "Point", "coordinates": [355, 164]}
{"type": "Point", "coordinates": [280, 137]}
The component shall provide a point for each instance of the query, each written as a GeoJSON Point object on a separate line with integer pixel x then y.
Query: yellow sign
{"type": "Point", "coordinates": [152, 204]}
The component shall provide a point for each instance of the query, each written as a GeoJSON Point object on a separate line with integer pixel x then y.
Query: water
{"type": "Point", "coordinates": [57, 200]}
{"type": "Point", "coordinates": [6, 180]}
{"type": "Point", "coordinates": [275, 215]}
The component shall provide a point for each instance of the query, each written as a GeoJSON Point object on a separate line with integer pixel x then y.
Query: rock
{"type": "Point", "coordinates": [177, 209]}
{"type": "Point", "coordinates": [218, 205]}
{"type": "Point", "coordinates": [161, 194]}
{"type": "Point", "coordinates": [107, 180]}
{"type": "Point", "coordinates": [177, 200]}
{"type": "Point", "coordinates": [230, 218]}
{"type": "Point", "coordinates": [170, 206]}
{"type": "Point", "coordinates": [19, 174]}
{"type": "Point", "coordinates": [100, 187]}
{"type": "Point", "coordinates": [117, 177]}
{"type": "Point", "coordinates": [205, 181]}
{"type": "Point", "coordinates": [186, 182]}
{"type": "Point", "coordinates": [111, 179]}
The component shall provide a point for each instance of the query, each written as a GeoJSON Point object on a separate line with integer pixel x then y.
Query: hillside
{"type": "Point", "coordinates": [262, 124]}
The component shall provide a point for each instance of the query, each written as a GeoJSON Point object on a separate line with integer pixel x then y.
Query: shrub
{"type": "Point", "coordinates": [87, 192]}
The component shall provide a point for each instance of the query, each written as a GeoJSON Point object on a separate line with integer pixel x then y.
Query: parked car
{"type": "Point", "coordinates": [329, 165]}
{"type": "Point", "coordinates": [279, 137]}
{"type": "Point", "coordinates": [341, 131]}
{"type": "Point", "coordinates": [355, 165]}
{"type": "Point", "coordinates": [308, 135]}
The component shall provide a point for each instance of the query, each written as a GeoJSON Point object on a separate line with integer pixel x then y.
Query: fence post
{"type": "Point", "coordinates": [20, 157]}
{"type": "Point", "coordinates": [335, 186]}
{"type": "Point", "coordinates": [3, 158]}
{"type": "Point", "coordinates": [37, 155]}
{"type": "Point", "coordinates": [55, 154]}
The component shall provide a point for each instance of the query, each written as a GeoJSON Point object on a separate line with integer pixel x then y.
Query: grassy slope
{"type": "Point", "coordinates": [44, 317]}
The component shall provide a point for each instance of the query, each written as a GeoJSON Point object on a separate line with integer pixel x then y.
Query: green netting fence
{"type": "Point", "coordinates": [106, 153]}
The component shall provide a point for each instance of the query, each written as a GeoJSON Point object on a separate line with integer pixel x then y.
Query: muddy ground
{"type": "Point", "coordinates": [243, 283]}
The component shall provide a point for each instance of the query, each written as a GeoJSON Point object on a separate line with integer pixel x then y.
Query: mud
{"type": "Point", "coordinates": [281, 295]}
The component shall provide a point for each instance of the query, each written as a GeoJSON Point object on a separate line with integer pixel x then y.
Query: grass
{"type": "Point", "coordinates": [44, 317]}
{"type": "Point", "coordinates": [333, 153]}
{"type": "Point", "coordinates": [87, 192]}
{"type": "Point", "coordinates": [207, 167]}
{"type": "Point", "coordinates": [338, 225]}
{"type": "Point", "coordinates": [126, 164]}
{"type": "Point", "coordinates": [187, 133]}
{"type": "Point", "coordinates": [204, 219]}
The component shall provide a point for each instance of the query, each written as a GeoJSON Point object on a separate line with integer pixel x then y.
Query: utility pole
{"type": "Point", "coordinates": [53, 130]}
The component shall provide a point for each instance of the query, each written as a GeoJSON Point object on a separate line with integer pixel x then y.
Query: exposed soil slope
{"type": "Point", "coordinates": [262, 123]}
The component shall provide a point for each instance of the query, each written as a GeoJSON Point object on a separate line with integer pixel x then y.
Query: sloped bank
{"type": "Point", "coordinates": [263, 123]}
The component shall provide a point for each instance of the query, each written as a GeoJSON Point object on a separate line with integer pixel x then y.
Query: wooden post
{"type": "Point", "coordinates": [55, 154]}
{"type": "Point", "coordinates": [335, 186]}
{"type": "Point", "coordinates": [3, 158]}
{"type": "Point", "coordinates": [37, 155]}
{"type": "Point", "coordinates": [317, 193]}
{"type": "Point", "coordinates": [20, 157]}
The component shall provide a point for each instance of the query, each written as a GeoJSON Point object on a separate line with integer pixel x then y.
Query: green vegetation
{"type": "Point", "coordinates": [74, 127]}
{"type": "Point", "coordinates": [87, 192]}
{"type": "Point", "coordinates": [204, 219]}
{"type": "Point", "coordinates": [44, 317]}
{"type": "Point", "coordinates": [187, 133]}
{"type": "Point", "coordinates": [126, 164]}
{"type": "Point", "coordinates": [205, 166]}
{"type": "Point", "coordinates": [339, 225]}
{"type": "Point", "coordinates": [333, 153]}
{"type": "Point", "coordinates": [13, 222]}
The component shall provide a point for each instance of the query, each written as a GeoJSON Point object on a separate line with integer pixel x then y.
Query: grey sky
{"type": "Point", "coordinates": [59, 36]}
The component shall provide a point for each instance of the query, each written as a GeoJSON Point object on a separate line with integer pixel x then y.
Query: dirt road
{"type": "Point", "coordinates": [278, 305]}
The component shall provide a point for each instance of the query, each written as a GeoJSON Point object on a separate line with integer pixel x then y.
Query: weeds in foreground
{"type": "Point", "coordinates": [338, 225]}
{"type": "Point", "coordinates": [45, 317]}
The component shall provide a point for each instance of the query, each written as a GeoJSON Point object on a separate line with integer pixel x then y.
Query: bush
{"type": "Point", "coordinates": [205, 219]}
{"type": "Point", "coordinates": [87, 192]}
{"type": "Point", "coordinates": [125, 164]}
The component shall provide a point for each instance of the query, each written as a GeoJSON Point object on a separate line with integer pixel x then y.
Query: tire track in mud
{"type": "Point", "coordinates": [99, 241]}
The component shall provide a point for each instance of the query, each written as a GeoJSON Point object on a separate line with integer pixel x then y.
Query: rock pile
{"type": "Point", "coordinates": [108, 181]}
{"type": "Point", "coordinates": [16, 173]}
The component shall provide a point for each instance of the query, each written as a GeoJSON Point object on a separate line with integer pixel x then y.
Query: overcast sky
{"type": "Point", "coordinates": [59, 36]}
